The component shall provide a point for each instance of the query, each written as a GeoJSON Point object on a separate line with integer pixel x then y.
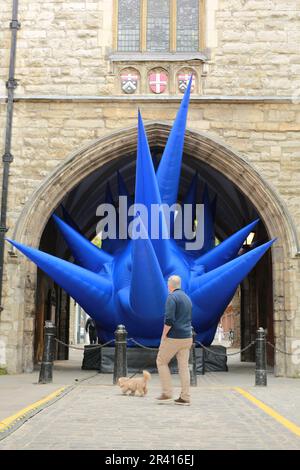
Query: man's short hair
{"type": "Point", "coordinates": [175, 281]}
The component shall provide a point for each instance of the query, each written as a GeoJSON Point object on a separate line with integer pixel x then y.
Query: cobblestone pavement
{"type": "Point", "coordinates": [20, 390]}
{"type": "Point", "coordinates": [94, 415]}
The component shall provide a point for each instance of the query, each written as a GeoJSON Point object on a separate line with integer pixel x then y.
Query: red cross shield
{"type": "Point", "coordinates": [158, 82]}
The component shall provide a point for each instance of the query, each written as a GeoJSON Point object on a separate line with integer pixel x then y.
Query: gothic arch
{"type": "Point", "coordinates": [203, 146]}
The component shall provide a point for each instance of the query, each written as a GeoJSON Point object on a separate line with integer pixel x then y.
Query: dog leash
{"type": "Point", "coordinates": [140, 371]}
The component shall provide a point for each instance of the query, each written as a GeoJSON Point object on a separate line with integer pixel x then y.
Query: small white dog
{"type": "Point", "coordinates": [136, 385]}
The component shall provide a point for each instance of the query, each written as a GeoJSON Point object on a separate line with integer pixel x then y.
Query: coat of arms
{"type": "Point", "coordinates": [158, 81]}
{"type": "Point", "coordinates": [183, 80]}
{"type": "Point", "coordinates": [129, 82]}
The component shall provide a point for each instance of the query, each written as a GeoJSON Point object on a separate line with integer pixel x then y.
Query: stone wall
{"type": "Point", "coordinates": [64, 47]}
{"type": "Point", "coordinates": [257, 50]}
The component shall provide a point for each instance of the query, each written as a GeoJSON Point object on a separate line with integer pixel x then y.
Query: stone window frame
{"type": "Point", "coordinates": [173, 30]}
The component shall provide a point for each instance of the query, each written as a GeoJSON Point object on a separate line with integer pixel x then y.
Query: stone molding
{"type": "Point", "coordinates": [151, 98]}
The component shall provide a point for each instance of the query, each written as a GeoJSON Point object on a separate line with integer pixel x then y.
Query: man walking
{"type": "Point", "coordinates": [91, 328]}
{"type": "Point", "coordinates": [176, 341]}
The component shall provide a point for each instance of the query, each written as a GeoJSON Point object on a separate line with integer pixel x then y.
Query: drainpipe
{"type": "Point", "coordinates": [7, 158]}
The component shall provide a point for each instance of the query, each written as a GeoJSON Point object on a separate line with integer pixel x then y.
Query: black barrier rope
{"type": "Point", "coordinates": [279, 350]}
{"type": "Point", "coordinates": [227, 354]}
{"type": "Point", "coordinates": [141, 345]}
{"type": "Point", "coordinates": [99, 346]}
{"type": "Point", "coordinates": [92, 346]}
{"type": "Point", "coordinates": [200, 344]}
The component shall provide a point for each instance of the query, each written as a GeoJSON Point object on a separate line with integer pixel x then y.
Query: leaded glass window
{"type": "Point", "coordinates": [187, 27]}
{"type": "Point", "coordinates": [129, 25]}
{"type": "Point", "coordinates": [158, 25]}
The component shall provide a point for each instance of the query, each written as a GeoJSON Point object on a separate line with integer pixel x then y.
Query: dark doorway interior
{"type": "Point", "coordinates": [234, 210]}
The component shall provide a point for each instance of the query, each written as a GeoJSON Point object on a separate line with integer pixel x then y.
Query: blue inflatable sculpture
{"type": "Point", "coordinates": [125, 282]}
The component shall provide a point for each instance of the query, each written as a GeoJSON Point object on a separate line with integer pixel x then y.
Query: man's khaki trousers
{"type": "Point", "coordinates": [169, 348]}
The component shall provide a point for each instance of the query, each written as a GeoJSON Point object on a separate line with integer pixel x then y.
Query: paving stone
{"type": "Point", "coordinates": [219, 418]}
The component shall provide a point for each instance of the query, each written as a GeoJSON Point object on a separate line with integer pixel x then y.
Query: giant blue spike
{"type": "Point", "coordinates": [139, 303]}
{"type": "Point", "coordinates": [92, 291]}
{"type": "Point", "coordinates": [168, 173]}
{"type": "Point", "coordinates": [226, 250]}
{"type": "Point", "coordinates": [69, 220]}
{"type": "Point", "coordinates": [142, 299]}
{"type": "Point", "coordinates": [86, 254]}
{"type": "Point", "coordinates": [112, 246]}
{"type": "Point", "coordinates": [209, 230]}
{"type": "Point", "coordinates": [147, 193]}
{"type": "Point", "coordinates": [219, 285]}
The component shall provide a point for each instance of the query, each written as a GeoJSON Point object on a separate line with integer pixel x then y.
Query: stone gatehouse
{"type": "Point", "coordinates": [83, 68]}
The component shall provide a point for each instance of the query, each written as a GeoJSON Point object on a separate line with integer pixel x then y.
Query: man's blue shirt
{"type": "Point", "coordinates": [179, 315]}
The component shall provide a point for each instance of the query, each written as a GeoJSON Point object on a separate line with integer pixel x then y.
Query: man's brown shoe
{"type": "Point", "coordinates": [180, 401]}
{"type": "Point", "coordinates": [164, 399]}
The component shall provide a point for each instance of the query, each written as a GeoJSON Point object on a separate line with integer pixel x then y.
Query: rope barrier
{"type": "Point", "coordinates": [92, 346]}
{"type": "Point", "coordinates": [99, 346]}
{"type": "Point", "coordinates": [227, 354]}
{"type": "Point", "coordinates": [279, 350]}
{"type": "Point", "coordinates": [141, 345]}
{"type": "Point", "coordinates": [120, 362]}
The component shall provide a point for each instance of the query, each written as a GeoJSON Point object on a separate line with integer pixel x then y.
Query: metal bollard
{"type": "Point", "coordinates": [261, 358]}
{"type": "Point", "coordinates": [193, 362]}
{"type": "Point", "coordinates": [46, 371]}
{"type": "Point", "coordinates": [120, 363]}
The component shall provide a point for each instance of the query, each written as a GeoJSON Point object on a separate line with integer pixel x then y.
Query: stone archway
{"type": "Point", "coordinates": [202, 146]}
